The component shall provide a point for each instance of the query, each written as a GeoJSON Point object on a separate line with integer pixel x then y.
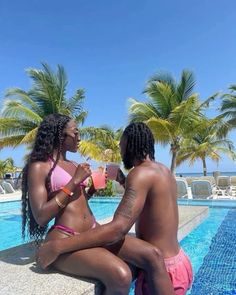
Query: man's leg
{"type": "Point", "coordinates": [149, 258]}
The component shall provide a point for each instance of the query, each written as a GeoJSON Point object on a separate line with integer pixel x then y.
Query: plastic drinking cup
{"type": "Point", "coordinates": [99, 179]}
{"type": "Point", "coordinates": [112, 170]}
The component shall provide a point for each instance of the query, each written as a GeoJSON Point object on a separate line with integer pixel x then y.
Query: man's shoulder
{"type": "Point", "coordinates": [150, 169]}
{"type": "Point", "coordinates": [143, 171]}
{"type": "Point", "coordinates": [152, 166]}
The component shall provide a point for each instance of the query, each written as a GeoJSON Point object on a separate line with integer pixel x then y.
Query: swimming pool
{"type": "Point", "coordinates": [10, 219]}
{"type": "Point", "coordinates": [209, 246]}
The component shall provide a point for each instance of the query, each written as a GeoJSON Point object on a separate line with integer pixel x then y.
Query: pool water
{"type": "Point", "coordinates": [10, 219]}
{"type": "Point", "coordinates": [214, 274]}
{"type": "Point", "coordinates": [217, 272]}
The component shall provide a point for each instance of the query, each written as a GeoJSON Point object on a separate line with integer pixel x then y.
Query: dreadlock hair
{"type": "Point", "coordinates": [49, 137]}
{"type": "Point", "coordinates": [140, 143]}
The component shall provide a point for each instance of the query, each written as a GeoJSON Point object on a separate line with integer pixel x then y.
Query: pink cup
{"type": "Point", "coordinates": [99, 179]}
{"type": "Point", "coordinates": [112, 170]}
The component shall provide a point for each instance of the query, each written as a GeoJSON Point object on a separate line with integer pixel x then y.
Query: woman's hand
{"type": "Point", "coordinates": [82, 172]}
{"type": "Point", "coordinates": [47, 254]}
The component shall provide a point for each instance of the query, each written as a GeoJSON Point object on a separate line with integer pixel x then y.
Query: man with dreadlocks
{"type": "Point", "coordinates": [53, 188]}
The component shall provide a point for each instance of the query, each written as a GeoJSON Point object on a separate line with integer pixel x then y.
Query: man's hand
{"type": "Point", "coordinates": [92, 190]}
{"type": "Point", "coordinates": [47, 254]}
{"type": "Point", "coordinates": [120, 177]}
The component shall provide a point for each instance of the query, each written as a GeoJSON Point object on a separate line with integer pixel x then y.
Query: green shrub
{"type": "Point", "coordinates": [107, 191]}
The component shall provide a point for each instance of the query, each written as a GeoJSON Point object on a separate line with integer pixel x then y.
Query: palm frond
{"type": "Point", "coordinates": [162, 98]}
{"type": "Point", "coordinates": [228, 103]}
{"type": "Point", "coordinates": [80, 119]}
{"type": "Point", "coordinates": [11, 141]}
{"type": "Point", "coordinates": [23, 97]}
{"type": "Point", "coordinates": [94, 151]}
{"type": "Point", "coordinates": [14, 109]}
{"type": "Point", "coordinates": [206, 103]}
{"type": "Point", "coordinates": [29, 137]}
{"type": "Point", "coordinates": [10, 126]}
{"type": "Point", "coordinates": [76, 101]}
{"type": "Point", "coordinates": [161, 129]}
{"type": "Point", "coordinates": [185, 86]}
{"type": "Point", "coordinates": [163, 77]}
{"type": "Point", "coordinates": [139, 111]}
{"type": "Point", "coordinates": [185, 116]}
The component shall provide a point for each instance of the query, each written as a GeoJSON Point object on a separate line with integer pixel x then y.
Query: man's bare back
{"type": "Point", "coordinates": [158, 221]}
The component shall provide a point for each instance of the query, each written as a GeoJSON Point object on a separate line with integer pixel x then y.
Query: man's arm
{"type": "Point", "coordinates": [125, 216]}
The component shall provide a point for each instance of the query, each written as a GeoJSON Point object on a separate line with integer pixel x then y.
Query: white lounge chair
{"type": "Point", "coordinates": [211, 179]}
{"type": "Point", "coordinates": [223, 187]}
{"type": "Point", "coordinates": [190, 180]}
{"type": "Point", "coordinates": [7, 187]}
{"type": "Point", "coordinates": [182, 188]}
{"type": "Point", "coordinates": [233, 186]}
{"type": "Point", "coordinates": [202, 189]}
{"type": "Point", "coordinates": [2, 191]}
{"type": "Point", "coordinates": [11, 182]}
{"type": "Point", "coordinates": [18, 183]}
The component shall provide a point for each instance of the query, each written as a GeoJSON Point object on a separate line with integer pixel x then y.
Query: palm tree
{"type": "Point", "coordinates": [6, 166]}
{"type": "Point", "coordinates": [205, 143]}
{"type": "Point", "coordinates": [171, 112]}
{"type": "Point", "coordinates": [24, 110]}
{"type": "Point", "coordinates": [228, 106]}
{"type": "Point", "coordinates": [101, 144]}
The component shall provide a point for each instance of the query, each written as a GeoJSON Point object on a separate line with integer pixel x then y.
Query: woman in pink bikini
{"type": "Point", "coordinates": [53, 187]}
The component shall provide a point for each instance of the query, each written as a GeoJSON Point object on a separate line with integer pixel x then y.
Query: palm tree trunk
{"type": "Point", "coordinates": [204, 166]}
{"type": "Point", "coordinates": [173, 161]}
{"type": "Point", "coordinates": [174, 147]}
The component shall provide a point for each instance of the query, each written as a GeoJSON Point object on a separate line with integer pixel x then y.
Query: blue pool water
{"type": "Point", "coordinates": [217, 273]}
{"type": "Point", "coordinates": [214, 273]}
{"type": "Point", "coordinates": [10, 219]}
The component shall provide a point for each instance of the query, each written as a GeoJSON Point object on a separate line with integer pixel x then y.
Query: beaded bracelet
{"type": "Point", "coordinates": [59, 203]}
{"type": "Point", "coordinates": [67, 191]}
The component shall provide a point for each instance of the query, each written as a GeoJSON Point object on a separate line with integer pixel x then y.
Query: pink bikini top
{"type": "Point", "coordinates": [60, 177]}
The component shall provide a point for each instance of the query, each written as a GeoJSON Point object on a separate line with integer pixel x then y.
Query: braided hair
{"type": "Point", "coordinates": [140, 143]}
{"type": "Point", "coordinates": [49, 137]}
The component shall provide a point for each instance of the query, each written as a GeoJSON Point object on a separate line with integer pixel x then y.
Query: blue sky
{"type": "Point", "coordinates": [111, 48]}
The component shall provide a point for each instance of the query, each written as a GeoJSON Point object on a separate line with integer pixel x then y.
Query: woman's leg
{"type": "Point", "coordinates": [98, 263]}
{"type": "Point", "coordinates": [147, 257]}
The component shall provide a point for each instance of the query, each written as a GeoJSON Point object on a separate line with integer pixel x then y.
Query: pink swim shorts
{"type": "Point", "coordinates": [179, 269]}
